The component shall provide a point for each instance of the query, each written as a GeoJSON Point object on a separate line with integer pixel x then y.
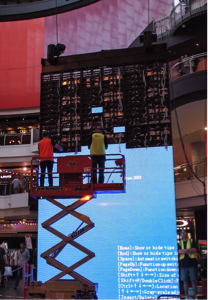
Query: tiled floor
{"type": "Point", "coordinates": [8, 291]}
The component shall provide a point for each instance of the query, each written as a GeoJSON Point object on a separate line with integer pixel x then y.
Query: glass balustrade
{"type": "Point", "coordinates": [15, 139]}
{"type": "Point", "coordinates": [165, 25]}
{"type": "Point", "coordinates": [192, 64]}
{"type": "Point", "coordinates": [183, 172]}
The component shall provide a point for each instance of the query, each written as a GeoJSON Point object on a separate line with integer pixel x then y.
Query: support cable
{"type": "Point", "coordinates": [56, 25]}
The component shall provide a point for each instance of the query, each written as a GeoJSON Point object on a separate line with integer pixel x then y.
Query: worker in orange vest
{"type": "Point", "coordinates": [46, 157]}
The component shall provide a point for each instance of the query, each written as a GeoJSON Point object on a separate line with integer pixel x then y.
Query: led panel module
{"type": "Point", "coordinates": [119, 129]}
{"type": "Point", "coordinates": [97, 110]}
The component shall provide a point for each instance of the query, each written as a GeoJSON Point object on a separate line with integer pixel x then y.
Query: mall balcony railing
{"type": "Point", "coordinates": [191, 64]}
{"type": "Point", "coordinates": [14, 139]}
{"type": "Point", "coordinates": [183, 171]}
{"type": "Point", "coordinates": [165, 26]}
{"type": "Point", "coordinates": [19, 138]}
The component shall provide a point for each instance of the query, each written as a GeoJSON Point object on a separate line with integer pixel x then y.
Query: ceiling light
{"type": "Point", "coordinates": [205, 128]}
{"type": "Point", "coordinates": [183, 26]}
{"type": "Point", "coordinates": [24, 169]}
{"type": "Point", "coordinates": [197, 44]}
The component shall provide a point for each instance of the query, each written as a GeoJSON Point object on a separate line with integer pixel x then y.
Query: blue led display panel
{"type": "Point", "coordinates": [134, 238]}
{"type": "Point", "coordinates": [119, 129]}
{"type": "Point", "coordinates": [97, 110]}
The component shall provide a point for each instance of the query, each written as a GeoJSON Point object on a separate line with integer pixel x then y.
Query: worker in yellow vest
{"type": "Point", "coordinates": [97, 145]}
{"type": "Point", "coordinates": [187, 250]}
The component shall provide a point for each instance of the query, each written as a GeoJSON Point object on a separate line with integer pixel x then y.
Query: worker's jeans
{"type": "Point", "coordinates": [49, 165]}
{"type": "Point", "coordinates": [98, 161]}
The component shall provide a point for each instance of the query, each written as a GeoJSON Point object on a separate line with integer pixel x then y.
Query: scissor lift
{"type": "Point", "coordinates": [74, 174]}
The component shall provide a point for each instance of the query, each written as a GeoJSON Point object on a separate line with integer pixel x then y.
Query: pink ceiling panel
{"type": "Point", "coordinates": [22, 47]}
{"type": "Point", "coordinates": [107, 24]}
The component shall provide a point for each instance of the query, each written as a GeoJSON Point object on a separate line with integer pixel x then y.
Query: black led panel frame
{"type": "Point", "coordinates": [133, 92]}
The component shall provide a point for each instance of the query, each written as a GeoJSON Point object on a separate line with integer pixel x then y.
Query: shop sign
{"type": "Point", "coordinates": [5, 176]}
{"type": "Point", "coordinates": [181, 223]}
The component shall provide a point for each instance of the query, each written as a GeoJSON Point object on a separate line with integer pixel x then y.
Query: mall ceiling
{"type": "Point", "coordinates": [11, 10]}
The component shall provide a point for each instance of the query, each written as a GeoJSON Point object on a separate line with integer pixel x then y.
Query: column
{"type": "Point", "coordinates": [198, 154]}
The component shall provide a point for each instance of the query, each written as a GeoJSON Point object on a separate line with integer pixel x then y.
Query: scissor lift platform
{"type": "Point", "coordinates": [73, 177]}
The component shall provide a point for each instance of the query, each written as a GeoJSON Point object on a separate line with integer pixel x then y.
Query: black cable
{"type": "Point", "coordinates": [56, 25]}
{"type": "Point", "coordinates": [205, 84]}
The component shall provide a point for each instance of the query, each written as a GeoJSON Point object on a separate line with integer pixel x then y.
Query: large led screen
{"type": "Point", "coordinates": [134, 238]}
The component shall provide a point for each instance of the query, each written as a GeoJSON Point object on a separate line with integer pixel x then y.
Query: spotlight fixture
{"type": "Point", "coordinates": [54, 51]}
{"type": "Point", "coordinates": [147, 38]}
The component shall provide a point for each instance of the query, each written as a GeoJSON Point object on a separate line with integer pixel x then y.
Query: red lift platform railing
{"type": "Point", "coordinates": [73, 174]}
{"type": "Point", "coordinates": [73, 179]}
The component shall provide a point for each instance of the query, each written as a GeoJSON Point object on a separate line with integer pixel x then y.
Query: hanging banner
{"type": "Point", "coordinates": [28, 242]}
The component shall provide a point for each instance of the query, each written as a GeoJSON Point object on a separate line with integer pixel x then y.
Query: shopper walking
{"type": "Point", "coordinates": [2, 265]}
{"type": "Point", "coordinates": [16, 184]}
{"type": "Point", "coordinates": [23, 255]}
